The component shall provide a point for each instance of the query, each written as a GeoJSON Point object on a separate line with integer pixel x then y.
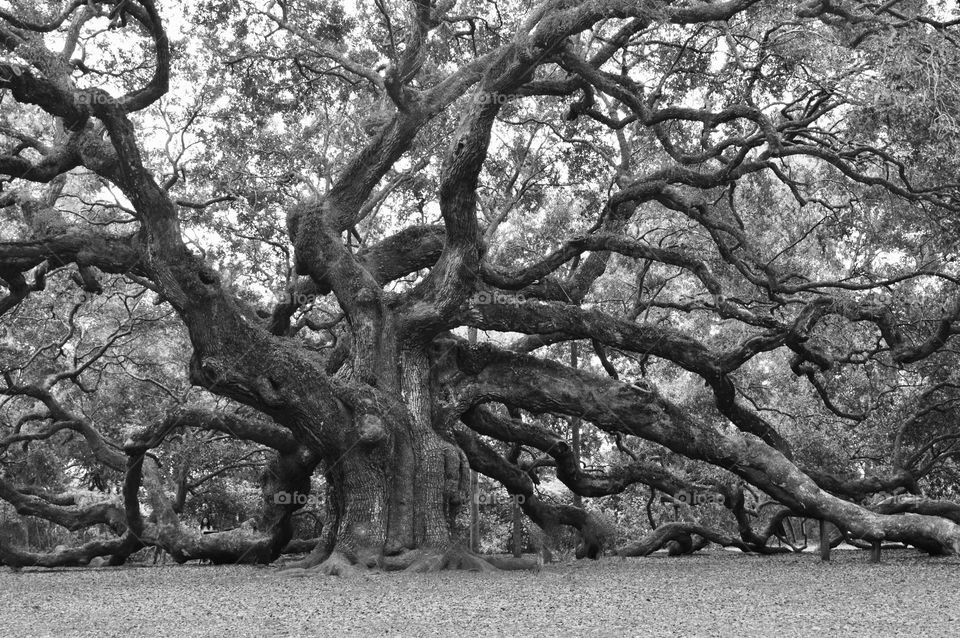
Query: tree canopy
{"type": "Point", "coordinates": [704, 248]}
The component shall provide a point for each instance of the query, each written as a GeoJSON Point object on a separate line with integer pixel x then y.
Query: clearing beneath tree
{"type": "Point", "coordinates": [710, 593]}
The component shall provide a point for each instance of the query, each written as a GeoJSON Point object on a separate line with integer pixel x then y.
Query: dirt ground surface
{"type": "Point", "coordinates": [715, 593]}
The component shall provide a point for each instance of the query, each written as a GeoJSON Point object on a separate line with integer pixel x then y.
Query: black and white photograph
{"type": "Point", "coordinates": [479, 318]}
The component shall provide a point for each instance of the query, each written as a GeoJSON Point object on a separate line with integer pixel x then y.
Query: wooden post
{"type": "Point", "coordinates": [824, 541]}
{"type": "Point", "coordinates": [875, 552]}
{"type": "Point", "coordinates": [474, 484]}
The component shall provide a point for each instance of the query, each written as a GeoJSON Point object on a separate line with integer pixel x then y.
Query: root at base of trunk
{"type": "Point", "coordinates": [336, 564]}
{"type": "Point", "coordinates": [341, 563]}
{"type": "Point", "coordinates": [427, 560]}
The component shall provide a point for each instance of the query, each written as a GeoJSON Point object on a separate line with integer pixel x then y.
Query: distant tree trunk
{"type": "Point", "coordinates": [517, 529]}
{"type": "Point", "coordinates": [474, 484]}
{"type": "Point", "coordinates": [474, 511]}
{"type": "Point", "coordinates": [182, 476]}
{"type": "Point", "coordinates": [575, 424]}
{"type": "Point", "coordinates": [824, 541]}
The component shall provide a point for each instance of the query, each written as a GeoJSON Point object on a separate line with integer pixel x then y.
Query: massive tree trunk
{"type": "Point", "coordinates": [400, 486]}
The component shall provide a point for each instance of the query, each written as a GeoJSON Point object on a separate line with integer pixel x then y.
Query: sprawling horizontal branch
{"type": "Point", "coordinates": [52, 164]}
{"type": "Point", "coordinates": [543, 386]}
{"type": "Point", "coordinates": [484, 421]}
{"type": "Point", "coordinates": [73, 517]}
{"type": "Point", "coordinates": [28, 88]}
{"type": "Point", "coordinates": [862, 487]}
{"type": "Point", "coordinates": [613, 481]}
{"type": "Point", "coordinates": [71, 557]}
{"type": "Point", "coordinates": [257, 430]}
{"type": "Point", "coordinates": [672, 345]}
{"type": "Point", "coordinates": [109, 254]}
{"type": "Point", "coordinates": [919, 505]}
{"type": "Point", "coordinates": [103, 449]}
{"type": "Point", "coordinates": [583, 323]}
{"type": "Point", "coordinates": [661, 536]}
{"type": "Point", "coordinates": [631, 248]}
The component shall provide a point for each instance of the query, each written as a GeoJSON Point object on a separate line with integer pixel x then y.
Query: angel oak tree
{"type": "Point", "coordinates": [679, 154]}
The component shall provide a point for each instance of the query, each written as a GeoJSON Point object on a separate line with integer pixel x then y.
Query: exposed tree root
{"type": "Point", "coordinates": [454, 558]}
{"type": "Point", "coordinates": [336, 564]}
{"type": "Point", "coordinates": [343, 563]}
{"type": "Point", "coordinates": [317, 555]}
{"type": "Point", "coordinates": [300, 546]}
{"type": "Point", "coordinates": [524, 563]}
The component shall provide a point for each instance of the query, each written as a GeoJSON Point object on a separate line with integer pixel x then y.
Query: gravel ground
{"type": "Point", "coordinates": [711, 594]}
